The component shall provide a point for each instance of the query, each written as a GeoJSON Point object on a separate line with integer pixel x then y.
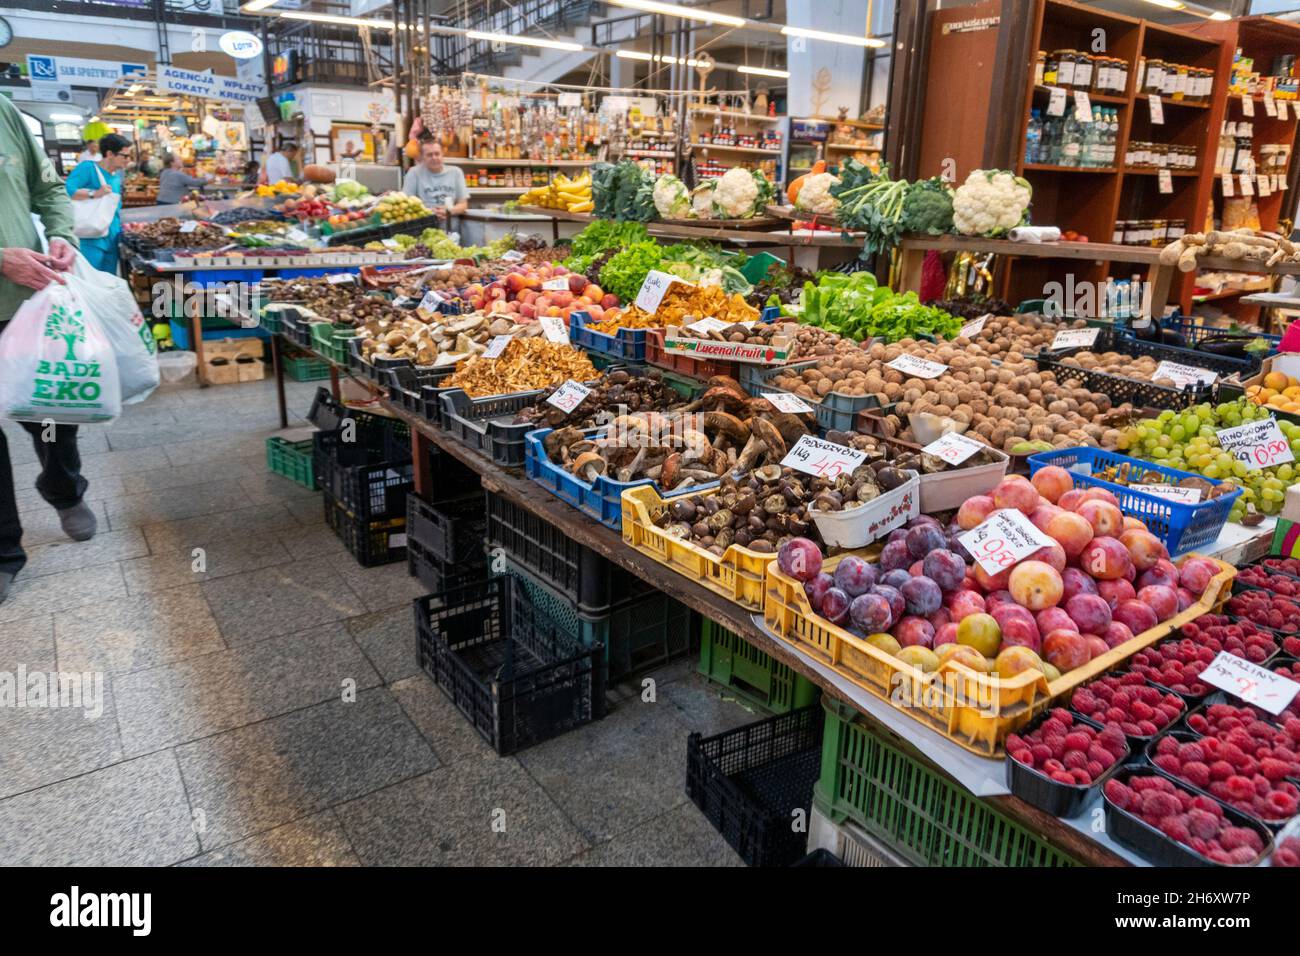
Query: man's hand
{"type": "Point", "coordinates": [27, 268]}
{"type": "Point", "coordinates": [62, 255]}
{"type": "Point", "coordinates": [440, 212]}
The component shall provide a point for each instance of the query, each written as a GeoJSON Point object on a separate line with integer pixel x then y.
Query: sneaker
{"type": "Point", "coordinates": [79, 522]}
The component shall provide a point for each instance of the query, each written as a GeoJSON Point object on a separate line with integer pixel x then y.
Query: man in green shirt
{"type": "Point", "coordinates": [29, 185]}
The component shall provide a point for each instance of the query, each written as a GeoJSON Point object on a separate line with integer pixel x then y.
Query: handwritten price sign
{"type": "Point", "coordinates": [568, 396]}
{"type": "Point", "coordinates": [1259, 444]}
{"type": "Point", "coordinates": [825, 459]}
{"type": "Point", "coordinates": [1074, 338]}
{"type": "Point", "coordinates": [1252, 683]}
{"type": "Point", "coordinates": [974, 327]}
{"type": "Point", "coordinates": [919, 367]}
{"type": "Point", "coordinates": [1004, 539]}
{"type": "Point", "coordinates": [1187, 496]}
{"type": "Point", "coordinates": [785, 402]}
{"type": "Point", "coordinates": [653, 290]}
{"type": "Point", "coordinates": [554, 329]}
{"type": "Point", "coordinates": [341, 278]}
{"type": "Point", "coordinates": [952, 448]}
{"type": "Point", "coordinates": [705, 326]}
{"type": "Point", "coordinates": [497, 346]}
{"type": "Point", "coordinates": [558, 284]}
{"type": "Point", "coordinates": [1184, 375]}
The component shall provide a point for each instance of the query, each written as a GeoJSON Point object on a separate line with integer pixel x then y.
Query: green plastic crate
{"type": "Point", "coordinates": [688, 388]}
{"type": "Point", "coordinates": [305, 368]}
{"type": "Point", "coordinates": [729, 660]}
{"type": "Point", "coordinates": [331, 341]}
{"type": "Point", "coordinates": [292, 460]}
{"type": "Point", "coordinates": [913, 808]}
{"type": "Point", "coordinates": [643, 633]}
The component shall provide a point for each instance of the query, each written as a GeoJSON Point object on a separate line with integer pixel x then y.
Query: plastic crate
{"type": "Point", "coordinates": [449, 530]}
{"type": "Point", "coordinates": [1127, 343]}
{"type": "Point", "coordinates": [387, 438]}
{"type": "Point", "coordinates": [625, 345]}
{"type": "Point", "coordinates": [728, 659]}
{"type": "Point", "coordinates": [367, 487]}
{"type": "Point", "coordinates": [974, 710]}
{"type": "Point", "coordinates": [294, 460]}
{"type": "Point", "coordinates": [748, 782]}
{"type": "Point", "coordinates": [513, 672]}
{"type": "Point", "coordinates": [1063, 800]}
{"type": "Point", "coordinates": [438, 575]}
{"type": "Point", "coordinates": [372, 541]}
{"type": "Point", "coordinates": [213, 328]}
{"type": "Point", "coordinates": [683, 364]}
{"type": "Point", "coordinates": [836, 410]}
{"type": "Point", "coordinates": [487, 424]}
{"type": "Point", "coordinates": [913, 808]}
{"type": "Point", "coordinates": [739, 575]}
{"type": "Point", "coordinates": [602, 499]}
{"type": "Point", "coordinates": [591, 582]}
{"type": "Point", "coordinates": [1182, 527]}
{"type": "Point", "coordinates": [305, 368]}
{"type": "Point", "coordinates": [1120, 389]}
{"type": "Point", "coordinates": [407, 387]}
{"type": "Point", "coordinates": [1195, 333]}
{"type": "Point", "coordinates": [331, 341]}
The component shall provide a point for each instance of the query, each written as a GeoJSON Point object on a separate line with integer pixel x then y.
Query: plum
{"type": "Point", "coordinates": [945, 635]}
{"type": "Point", "coordinates": [1117, 634]}
{"type": "Point", "coordinates": [1066, 650]}
{"type": "Point", "coordinates": [1015, 491]}
{"type": "Point", "coordinates": [1052, 482]}
{"type": "Point", "coordinates": [945, 568]}
{"type": "Point", "coordinates": [1000, 596]}
{"type": "Point", "coordinates": [817, 588]}
{"type": "Point", "coordinates": [895, 556]}
{"type": "Point", "coordinates": [1161, 599]}
{"type": "Point", "coordinates": [894, 597]}
{"type": "Point", "coordinates": [974, 511]}
{"type": "Point", "coordinates": [916, 569]}
{"type": "Point", "coordinates": [800, 558]}
{"type": "Point", "coordinates": [1055, 619]}
{"type": "Point", "coordinates": [1144, 548]}
{"type": "Point", "coordinates": [1115, 591]}
{"type": "Point", "coordinates": [1185, 598]}
{"type": "Point", "coordinates": [1074, 582]}
{"type": "Point", "coordinates": [898, 534]}
{"type": "Point", "coordinates": [1071, 531]}
{"type": "Point", "coordinates": [1105, 558]}
{"type": "Point", "coordinates": [962, 603]}
{"type": "Point", "coordinates": [1019, 631]}
{"type": "Point", "coordinates": [871, 613]}
{"type": "Point", "coordinates": [896, 578]}
{"type": "Point", "coordinates": [1052, 554]}
{"type": "Point", "coordinates": [1135, 615]}
{"type": "Point", "coordinates": [854, 576]}
{"type": "Point", "coordinates": [922, 595]}
{"type": "Point", "coordinates": [1195, 574]}
{"type": "Point", "coordinates": [924, 519]}
{"type": "Point", "coordinates": [939, 618]}
{"type": "Point", "coordinates": [923, 539]}
{"type": "Point", "coordinates": [1162, 572]}
{"type": "Point", "coordinates": [1104, 517]}
{"type": "Point", "coordinates": [914, 632]}
{"type": "Point", "coordinates": [1090, 612]}
{"type": "Point", "coordinates": [982, 632]}
{"type": "Point", "coordinates": [1036, 585]}
{"type": "Point", "coordinates": [835, 605]}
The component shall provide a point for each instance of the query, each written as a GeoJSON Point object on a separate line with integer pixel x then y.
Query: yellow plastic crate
{"type": "Point", "coordinates": [972, 709]}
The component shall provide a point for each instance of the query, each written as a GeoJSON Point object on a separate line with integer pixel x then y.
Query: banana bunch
{"type": "Point", "coordinates": [571, 195]}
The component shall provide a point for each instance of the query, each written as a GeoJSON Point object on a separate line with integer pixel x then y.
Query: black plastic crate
{"type": "Point", "coordinates": [1112, 340]}
{"type": "Point", "coordinates": [372, 542]}
{"type": "Point", "coordinates": [450, 530]}
{"type": "Point", "coordinates": [819, 857]}
{"type": "Point", "coordinates": [593, 583]}
{"type": "Point", "coordinates": [748, 782]}
{"type": "Point", "coordinates": [367, 487]}
{"type": "Point", "coordinates": [513, 674]}
{"type": "Point", "coordinates": [417, 389]}
{"type": "Point", "coordinates": [1059, 799]}
{"type": "Point", "coordinates": [386, 438]}
{"type": "Point", "coordinates": [487, 424]}
{"type": "Point", "coordinates": [438, 575]}
{"type": "Point", "coordinates": [1119, 389]}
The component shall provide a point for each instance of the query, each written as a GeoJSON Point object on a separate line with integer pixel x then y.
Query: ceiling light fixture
{"type": "Point", "coordinates": [764, 71]}
{"type": "Point", "coordinates": [1167, 4]}
{"type": "Point", "coordinates": [834, 37]}
{"type": "Point", "coordinates": [254, 5]}
{"type": "Point", "coordinates": [633, 55]}
{"type": "Point", "coordinates": [341, 21]}
{"type": "Point", "coordinates": [1220, 15]}
{"type": "Point", "coordinates": [523, 41]}
{"type": "Point", "coordinates": [688, 13]}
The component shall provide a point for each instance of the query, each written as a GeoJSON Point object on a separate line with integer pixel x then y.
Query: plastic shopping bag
{"type": "Point", "coordinates": [128, 332]}
{"type": "Point", "coordinates": [56, 363]}
{"type": "Point", "coordinates": [93, 218]}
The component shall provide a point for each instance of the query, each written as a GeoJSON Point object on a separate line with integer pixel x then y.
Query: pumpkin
{"type": "Point", "coordinates": [792, 191]}
{"type": "Point", "coordinates": [318, 174]}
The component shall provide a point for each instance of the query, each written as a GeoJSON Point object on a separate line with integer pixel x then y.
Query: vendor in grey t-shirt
{"type": "Point", "coordinates": [441, 188]}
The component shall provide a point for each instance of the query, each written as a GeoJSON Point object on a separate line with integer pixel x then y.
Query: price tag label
{"type": "Point", "coordinates": [1270, 105]}
{"type": "Point", "coordinates": [974, 327]}
{"type": "Point", "coordinates": [390, 244]}
{"type": "Point", "coordinates": [558, 284]}
{"type": "Point", "coordinates": [297, 235]}
{"type": "Point", "coordinates": [1282, 184]}
{"type": "Point", "coordinates": [1187, 496]}
{"type": "Point", "coordinates": [653, 290]}
{"type": "Point", "coordinates": [918, 367]}
{"type": "Point", "coordinates": [1165, 180]}
{"type": "Point", "coordinates": [1157, 109]}
{"type": "Point", "coordinates": [568, 396]}
{"type": "Point", "coordinates": [430, 302]}
{"type": "Point", "coordinates": [785, 402]}
{"type": "Point", "coordinates": [1247, 187]}
{"type": "Point", "coordinates": [402, 301]}
{"type": "Point", "coordinates": [497, 346]}
{"type": "Point", "coordinates": [1074, 338]}
{"type": "Point", "coordinates": [705, 326]}
{"type": "Point", "coordinates": [512, 255]}
{"type": "Point", "coordinates": [554, 329]}
{"type": "Point", "coordinates": [565, 100]}
{"type": "Point", "coordinates": [1247, 105]}
{"type": "Point", "coordinates": [1228, 190]}
{"type": "Point", "coordinates": [341, 278]}
{"type": "Point", "coordinates": [825, 459]}
{"type": "Point", "coordinates": [1056, 101]}
{"type": "Point", "coordinates": [952, 448]}
{"type": "Point", "coordinates": [1265, 186]}
{"type": "Point", "coordinates": [1005, 538]}
{"type": "Point", "coordinates": [1281, 110]}
{"type": "Point", "coordinates": [1258, 444]}
{"type": "Point", "coordinates": [1184, 374]}
{"type": "Point", "coordinates": [189, 226]}
{"type": "Point", "coordinates": [1254, 684]}
{"type": "Point", "coordinates": [1082, 107]}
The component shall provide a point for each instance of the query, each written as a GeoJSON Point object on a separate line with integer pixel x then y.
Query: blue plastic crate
{"type": "Point", "coordinates": [625, 345]}
{"type": "Point", "coordinates": [836, 410]}
{"type": "Point", "coordinates": [1182, 527]}
{"type": "Point", "coordinates": [602, 499]}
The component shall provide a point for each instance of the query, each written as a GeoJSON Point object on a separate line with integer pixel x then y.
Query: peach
{"type": "Point", "coordinates": [1035, 585]}
{"type": "Point", "coordinates": [1071, 531]}
{"type": "Point", "coordinates": [1105, 518]}
{"type": "Point", "coordinates": [1052, 482]}
{"type": "Point", "coordinates": [1116, 591]}
{"type": "Point", "coordinates": [515, 282]}
{"type": "Point", "coordinates": [1016, 660]}
{"type": "Point", "coordinates": [1090, 612]}
{"type": "Point", "coordinates": [609, 301]}
{"type": "Point", "coordinates": [1066, 650]}
{"type": "Point", "coordinates": [1144, 548]}
{"type": "Point", "coordinates": [1195, 574]}
{"type": "Point", "coordinates": [1016, 492]}
{"type": "Point", "coordinates": [1100, 494]}
{"type": "Point", "coordinates": [1105, 558]}
{"type": "Point", "coordinates": [1052, 554]}
{"type": "Point", "coordinates": [980, 631]}
{"type": "Point", "coordinates": [1096, 646]}
{"type": "Point", "coordinates": [974, 511]}
{"type": "Point", "coordinates": [1071, 499]}
{"type": "Point", "coordinates": [1135, 615]}
{"type": "Point", "coordinates": [1161, 599]}
{"type": "Point", "coordinates": [1043, 514]}
{"type": "Point", "coordinates": [1117, 634]}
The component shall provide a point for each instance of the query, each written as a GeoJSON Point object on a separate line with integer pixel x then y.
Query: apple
{"type": "Point", "coordinates": [1035, 585]}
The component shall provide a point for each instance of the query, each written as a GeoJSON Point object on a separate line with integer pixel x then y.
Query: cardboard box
{"type": "Point", "coordinates": [232, 360]}
{"type": "Point", "coordinates": [776, 353]}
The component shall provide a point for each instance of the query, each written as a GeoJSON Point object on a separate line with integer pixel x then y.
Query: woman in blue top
{"type": "Point", "coordinates": [91, 180]}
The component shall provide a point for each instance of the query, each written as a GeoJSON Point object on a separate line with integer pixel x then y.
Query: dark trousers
{"type": "Point", "coordinates": [60, 483]}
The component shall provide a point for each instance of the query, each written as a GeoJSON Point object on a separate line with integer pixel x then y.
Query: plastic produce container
{"type": "Point", "coordinates": [945, 490]}
{"type": "Point", "coordinates": [487, 424]}
{"type": "Point", "coordinates": [292, 459]}
{"type": "Point", "coordinates": [625, 345]}
{"type": "Point", "coordinates": [872, 520]}
{"type": "Point", "coordinates": [1058, 799]}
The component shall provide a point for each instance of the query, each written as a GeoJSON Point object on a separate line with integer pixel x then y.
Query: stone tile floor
{"type": "Point", "coordinates": [266, 708]}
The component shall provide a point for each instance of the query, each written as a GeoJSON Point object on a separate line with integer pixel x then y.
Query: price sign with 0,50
{"type": "Point", "coordinates": [1002, 540]}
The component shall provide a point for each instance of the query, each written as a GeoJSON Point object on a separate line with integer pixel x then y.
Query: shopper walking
{"type": "Point", "coordinates": [91, 152]}
{"type": "Point", "coordinates": [174, 182]}
{"type": "Point", "coordinates": [440, 187]}
{"type": "Point", "coordinates": [92, 180]}
{"type": "Point", "coordinates": [32, 187]}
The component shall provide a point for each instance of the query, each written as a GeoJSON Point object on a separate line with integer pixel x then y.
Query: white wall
{"type": "Point", "coordinates": [324, 105]}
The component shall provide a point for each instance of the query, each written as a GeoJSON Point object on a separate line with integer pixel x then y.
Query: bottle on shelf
{"type": "Point", "coordinates": [1033, 138]}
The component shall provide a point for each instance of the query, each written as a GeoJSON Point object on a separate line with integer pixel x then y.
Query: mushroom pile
{"type": "Point", "coordinates": [616, 392]}
{"type": "Point", "coordinates": [759, 511]}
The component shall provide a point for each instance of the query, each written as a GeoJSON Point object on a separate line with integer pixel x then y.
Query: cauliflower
{"type": "Point", "coordinates": [990, 203]}
{"type": "Point", "coordinates": [671, 198]}
{"type": "Point", "coordinates": [741, 193]}
{"type": "Point", "coordinates": [702, 199]}
{"type": "Point", "coordinates": [815, 194]}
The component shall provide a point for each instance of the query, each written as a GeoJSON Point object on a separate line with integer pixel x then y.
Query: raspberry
{"type": "Point", "coordinates": [1025, 757]}
{"type": "Point", "coordinates": [1074, 759]}
{"type": "Point", "coordinates": [1084, 700]}
{"type": "Point", "coordinates": [1157, 805]}
{"type": "Point", "coordinates": [1041, 753]}
{"type": "Point", "coordinates": [1167, 745]}
{"type": "Point", "coordinates": [1232, 837]}
{"type": "Point", "coordinates": [1281, 804]}
{"type": "Point", "coordinates": [1116, 715]}
{"type": "Point", "coordinates": [1220, 770]}
{"type": "Point", "coordinates": [1060, 776]}
{"type": "Point", "coordinates": [1198, 723]}
{"type": "Point", "coordinates": [1141, 711]}
{"type": "Point", "coordinates": [1242, 854]}
{"type": "Point", "coordinates": [1057, 746]}
{"type": "Point", "coordinates": [1100, 753]}
{"type": "Point", "coordinates": [1202, 824]}
{"type": "Point", "coordinates": [1076, 741]}
{"type": "Point", "coordinates": [1208, 805]}
{"type": "Point", "coordinates": [1241, 788]}
{"type": "Point", "coordinates": [1168, 763]}
{"type": "Point", "coordinates": [1196, 773]}
{"type": "Point", "coordinates": [1199, 845]}
{"type": "Point", "coordinates": [1053, 766]}
{"type": "Point", "coordinates": [1119, 794]}
{"type": "Point", "coordinates": [1095, 769]}
{"type": "Point", "coordinates": [1191, 752]}
{"type": "Point", "coordinates": [1015, 742]}
{"type": "Point", "coordinates": [1147, 729]}
{"type": "Point", "coordinates": [1220, 856]}
{"type": "Point", "coordinates": [1175, 828]}
{"type": "Point", "coordinates": [1081, 776]}
{"type": "Point", "coordinates": [1062, 715]}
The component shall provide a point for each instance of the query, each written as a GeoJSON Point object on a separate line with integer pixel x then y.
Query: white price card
{"type": "Point", "coordinates": [1074, 338]}
{"type": "Point", "coordinates": [953, 448]}
{"type": "Point", "coordinates": [1056, 101]}
{"type": "Point", "coordinates": [1254, 684]}
{"type": "Point", "coordinates": [1157, 109]}
{"type": "Point", "coordinates": [1004, 539]}
{"type": "Point", "coordinates": [653, 289]}
{"type": "Point", "coordinates": [297, 235]}
{"type": "Point", "coordinates": [785, 402]}
{"type": "Point", "coordinates": [1259, 444]}
{"type": "Point", "coordinates": [565, 100]}
{"type": "Point", "coordinates": [390, 243]}
{"type": "Point", "coordinates": [1281, 184]}
{"type": "Point", "coordinates": [1184, 374]}
{"type": "Point", "coordinates": [430, 302]}
{"type": "Point", "coordinates": [1187, 496]}
{"type": "Point", "coordinates": [497, 346]}
{"type": "Point", "coordinates": [825, 459]}
{"type": "Point", "coordinates": [1228, 188]}
{"type": "Point", "coordinates": [1165, 181]}
{"type": "Point", "coordinates": [918, 367]}
{"type": "Point", "coordinates": [189, 226]}
{"type": "Point", "coordinates": [512, 255]}
{"type": "Point", "coordinates": [1247, 187]}
{"type": "Point", "coordinates": [1270, 106]}
{"type": "Point", "coordinates": [341, 278]}
{"type": "Point", "coordinates": [1281, 110]}
{"type": "Point", "coordinates": [568, 396]}
{"type": "Point", "coordinates": [558, 284]}
{"type": "Point", "coordinates": [1265, 186]}
{"type": "Point", "coordinates": [974, 327]}
{"type": "Point", "coordinates": [705, 326]}
{"type": "Point", "coordinates": [1082, 107]}
{"type": "Point", "coordinates": [402, 301]}
{"type": "Point", "coordinates": [1247, 105]}
{"type": "Point", "coordinates": [554, 329]}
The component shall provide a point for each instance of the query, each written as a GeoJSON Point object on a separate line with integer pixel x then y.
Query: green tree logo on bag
{"type": "Point", "coordinates": [67, 326]}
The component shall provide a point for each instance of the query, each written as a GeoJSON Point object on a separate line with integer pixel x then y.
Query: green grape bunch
{"type": "Point", "coordinates": [1188, 441]}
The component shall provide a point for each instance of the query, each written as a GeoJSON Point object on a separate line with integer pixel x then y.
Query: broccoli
{"type": "Point", "coordinates": [928, 207]}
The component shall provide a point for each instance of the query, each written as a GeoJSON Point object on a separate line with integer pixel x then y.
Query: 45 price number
{"type": "Point", "coordinates": [815, 456]}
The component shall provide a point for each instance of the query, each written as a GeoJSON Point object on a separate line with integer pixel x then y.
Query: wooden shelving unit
{"type": "Point", "coordinates": [700, 120]}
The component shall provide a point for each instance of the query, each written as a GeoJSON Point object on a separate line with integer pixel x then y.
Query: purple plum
{"type": "Point", "coordinates": [871, 613]}
{"type": "Point", "coordinates": [898, 534]}
{"type": "Point", "coordinates": [800, 558]}
{"type": "Point", "coordinates": [854, 576]}
{"type": "Point", "coordinates": [897, 605]}
{"type": "Point", "coordinates": [895, 556]}
{"type": "Point", "coordinates": [923, 539]}
{"type": "Point", "coordinates": [817, 588]}
{"type": "Point", "coordinates": [1075, 582]}
{"type": "Point", "coordinates": [922, 595]}
{"type": "Point", "coordinates": [945, 568]}
{"type": "Point", "coordinates": [923, 520]}
{"type": "Point", "coordinates": [835, 606]}
{"type": "Point", "coordinates": [896, 578]}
